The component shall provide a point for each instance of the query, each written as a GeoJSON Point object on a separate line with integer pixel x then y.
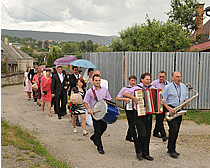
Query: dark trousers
{"type": "Point", "coordinates": [174, 126]}
{"type": "Point", "coordinates": [99, 128]}
{"type": "Point", "coordinates": [131, 124]}
{"type": "Point", "coordinates": [159, 127]}
{"type": "Point", "coordinates": [60, 104]}
{"type": "Point", "coordinates": [144, 126]}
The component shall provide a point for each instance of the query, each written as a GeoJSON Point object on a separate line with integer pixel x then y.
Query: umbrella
{"type": "Point", "coordinates": [64, 60]}
{"type": "Point", "coordinates": [42, 66]}
{"type": "Point", "coordinates": [83, 63]}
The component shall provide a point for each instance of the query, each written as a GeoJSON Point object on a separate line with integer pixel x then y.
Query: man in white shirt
{"type": "Point", "coordinates": [104, 82]}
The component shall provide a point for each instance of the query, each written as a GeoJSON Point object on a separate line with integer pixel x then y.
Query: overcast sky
{"type": "Point", "coordinates": [99, 17]}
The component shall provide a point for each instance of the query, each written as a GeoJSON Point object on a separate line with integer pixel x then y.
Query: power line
{"type": "Point", "coordinates": [56, 19]}
{"type": "Point", "coordinates": [18, 21]}
{"type": "Point", "coordinates": [12, 17]}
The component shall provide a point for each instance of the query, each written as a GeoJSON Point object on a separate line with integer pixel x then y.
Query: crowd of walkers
{"type": "Point", "coordinates": [53, 86]}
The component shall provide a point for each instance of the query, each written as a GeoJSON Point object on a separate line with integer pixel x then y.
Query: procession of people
{"type": "Point", "coordinates": [53, 87]}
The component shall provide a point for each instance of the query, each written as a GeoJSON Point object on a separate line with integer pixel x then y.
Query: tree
{"type": "Point", "coordinates": [153, 35]}
{"type": "Point", "coordinates": [66, 48]}
{"type": "Point", "coordinates": [101, 49]}
{"type": "Point", "coordinates": [184, 12]}
{"type": "Point", "coordinates": [89, 46]}
{"type": "Point", "coordinates": [95, 46]}
{"type": "Point", "coordinates": [27, 50]}
{"type": "Point", "coordinates": [82, 46]}
{"type": "Point", "coordinates": [39, 44]}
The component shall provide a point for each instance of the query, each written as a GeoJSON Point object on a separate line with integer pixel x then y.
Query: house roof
{"type": "Point", "coordinates": [201, 47]}
{"type": "Point", "coordinates": [13, 54]}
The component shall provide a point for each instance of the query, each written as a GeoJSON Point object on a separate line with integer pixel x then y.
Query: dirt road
{"type": "Point", "coordinates": [58, 138]}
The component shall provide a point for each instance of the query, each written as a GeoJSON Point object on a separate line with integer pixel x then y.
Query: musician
{"type": "Point", "coordinates": [160, 83]}
{"type": "Point", "coordinates": [131, 133]}
{"type": "Point", "coordinates": [99, 126]}
{"type": "Point", "coordinates": [143, 123]}
{"type": "Point", "coordinates": [174, 94]}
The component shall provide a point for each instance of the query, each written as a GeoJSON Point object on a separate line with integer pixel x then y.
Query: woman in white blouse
{"type": "Point", "coordinates": [27, 84]}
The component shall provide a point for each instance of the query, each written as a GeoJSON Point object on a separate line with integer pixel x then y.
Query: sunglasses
{"type": "Point", "coordinates": [48, 70]}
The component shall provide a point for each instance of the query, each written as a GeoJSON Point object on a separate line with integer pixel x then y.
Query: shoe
{"type": "Point", "coordinates": [148, 158]}
{"type": "Point", "coordinates": [157, 135]}
{"type": "Point", "coordinates": [101, 151]}
{"type": "Point", "coordinates": [29, 99]}
{"type": "Point", "coordinates": [129, 139]}
{"type": "Point", "coordinates": [139, 156]}
{"type": "Point", "coordinates": [74, 130]}
{"type": "Point", "coordinates": [173, 155]}
{"type": "Point", "coordinates": [175, 152]}
{"type": "Point", "coordinates": [59, 117]}
{"type": "Point", "coordinates": [50, 115]}
{"type": "Point", "coordinates": [85, 132]}
{"type": "Point", "coordinates": [43, 113]}
{"type": "Point", "coordinates": [78, 124]}
{"type": "Point", "coordinates": [165, 138]}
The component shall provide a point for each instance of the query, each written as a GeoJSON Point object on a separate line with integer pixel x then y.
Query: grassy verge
{"type": "Point", "coordinates": [198, 116]}
{"type": "Point", "coordinates": [24, 141]}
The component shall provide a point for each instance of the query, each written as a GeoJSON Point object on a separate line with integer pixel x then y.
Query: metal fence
{"type": "Point", "coordinates": [110, 64]}
{"type": "Point", "coordinates": [116, 70]}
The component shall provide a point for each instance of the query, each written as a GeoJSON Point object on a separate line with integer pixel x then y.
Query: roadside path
{"type": "Point", "coordinates": [78, 151]}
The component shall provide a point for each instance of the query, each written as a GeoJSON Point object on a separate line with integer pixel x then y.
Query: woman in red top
{"type": "Point", "coordinates": [37, 79]}
{"type": "Point", "coordinates": [46, 91]}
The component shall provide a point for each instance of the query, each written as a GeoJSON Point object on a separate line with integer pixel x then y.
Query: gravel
{"type": "Point", "coordinates": [78, 151]}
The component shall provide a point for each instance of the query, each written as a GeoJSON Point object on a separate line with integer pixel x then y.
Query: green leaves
{"type": "Point", "coordinates": [153, 35]}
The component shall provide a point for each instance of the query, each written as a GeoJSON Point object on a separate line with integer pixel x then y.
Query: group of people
{"type": "Point", "coordinates": [139, 130]}
{"type": "Point", "coordinates": [54, 87]}
{"type": "Point", "coordinates": [39, 82]}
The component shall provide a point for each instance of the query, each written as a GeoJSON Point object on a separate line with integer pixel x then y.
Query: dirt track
{"type": "Point", "coordinates": [79, 151]}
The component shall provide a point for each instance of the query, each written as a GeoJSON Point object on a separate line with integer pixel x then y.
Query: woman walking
{"type": "Point", "coordinates": [46, 91]}
{"type": "Point", "coordinates": [80, 108]}
{"type": "Point", "coordinates": [37, 80]}
{"type": "Point", "coordinates": [27, 83]}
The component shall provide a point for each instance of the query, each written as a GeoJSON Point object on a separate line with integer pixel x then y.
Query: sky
{"type": "Point", "coordinates": [97, 17]}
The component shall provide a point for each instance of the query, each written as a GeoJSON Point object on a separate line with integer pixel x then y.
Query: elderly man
{"type": "Point", "coordinates": [174, 94]}
{"type": "Point", "coordinates": [160, 83]}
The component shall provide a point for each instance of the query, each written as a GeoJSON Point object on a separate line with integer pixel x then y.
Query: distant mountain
{"type": "Point", "coordinates": [59, 36]}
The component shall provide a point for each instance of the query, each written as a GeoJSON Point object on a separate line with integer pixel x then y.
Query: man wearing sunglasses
{"type": "Point", "coordinates": [159, 130]}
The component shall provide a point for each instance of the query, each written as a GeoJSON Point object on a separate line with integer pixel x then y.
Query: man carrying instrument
{"type": "Point", "coordinates": [96, 93]}
{"type": "Point", "coordinates": [131, 133]}
{"type": "Point", "coordinates": [160, 83]}
{"type": "Point", "coordinates": [143, 123]}
{"type": "Point", "coordinates": [174, 94]}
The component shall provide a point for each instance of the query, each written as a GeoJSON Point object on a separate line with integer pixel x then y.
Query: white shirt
{"type": "Point", "coordinates": [26, 75]}
{"type": "Point", "coordinates": [104, 83]}
{"type": "Point", "coordinates": [61, 77]}
{"type": "Point", "coordinates": [77, 75]}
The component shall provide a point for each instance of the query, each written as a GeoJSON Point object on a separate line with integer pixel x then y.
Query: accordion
{"type": "Point", "coordinates": [149, 101]}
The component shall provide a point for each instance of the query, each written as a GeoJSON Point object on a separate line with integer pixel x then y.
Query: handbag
{"type": "Point", "coordinates": [35, 87]}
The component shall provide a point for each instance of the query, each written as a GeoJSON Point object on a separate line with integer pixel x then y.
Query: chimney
{"type": "Point", "coordinates": [6, 40]}
{"type": "Point", "coordinates": [199, 20]}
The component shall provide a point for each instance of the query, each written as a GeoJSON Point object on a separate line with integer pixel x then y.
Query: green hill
{"type": "Point", "coordinates": [59, 36]}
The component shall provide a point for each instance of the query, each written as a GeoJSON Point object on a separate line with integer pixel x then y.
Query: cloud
{"type": "Point", "coordinates": [83, 16]}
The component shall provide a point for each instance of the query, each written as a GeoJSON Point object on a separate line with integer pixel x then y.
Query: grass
{"type": "Point", "coordinates": [14, 135]}
{"type": "Point", "coordinates": [199, 117]}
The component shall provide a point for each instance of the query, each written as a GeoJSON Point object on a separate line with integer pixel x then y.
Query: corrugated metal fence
{"type": "Point", "coordinates": [187, 63]}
